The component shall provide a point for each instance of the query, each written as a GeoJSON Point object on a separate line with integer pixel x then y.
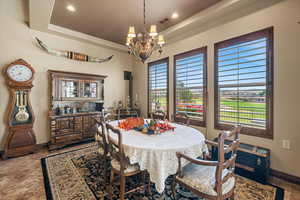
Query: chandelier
{"type": "Point", "coordinates": [144, 43]}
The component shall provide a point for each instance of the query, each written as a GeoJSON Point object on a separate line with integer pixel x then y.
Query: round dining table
{"type": "Point", "coordinates": [157, 153]}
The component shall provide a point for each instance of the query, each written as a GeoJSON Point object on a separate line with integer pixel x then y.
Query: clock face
{"type": "Point", "coordinates": [19, 73]}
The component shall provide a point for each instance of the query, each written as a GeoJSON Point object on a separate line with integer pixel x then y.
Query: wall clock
{"type": "Point", "coordinates": [20, 138]}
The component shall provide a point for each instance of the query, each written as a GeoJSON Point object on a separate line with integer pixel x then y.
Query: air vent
{"type": "Point", "coordinates": [164, 20]}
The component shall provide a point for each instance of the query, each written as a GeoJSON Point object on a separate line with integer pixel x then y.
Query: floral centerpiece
{"type": "Point", "coordinates": [150, 127]}
{"type": "Point", "coordinates": [130, 123]}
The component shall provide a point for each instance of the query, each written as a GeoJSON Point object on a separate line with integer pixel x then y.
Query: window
{"type": "Point", "coordinates": [190, 85]}
{"type": "Point", "coordinates": [244, 83]}
{"type": "Point", "coordinates": [158, 86]}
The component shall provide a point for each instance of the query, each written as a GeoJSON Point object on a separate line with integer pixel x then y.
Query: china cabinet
{"type": "Point", "coordinates": [75, 103]}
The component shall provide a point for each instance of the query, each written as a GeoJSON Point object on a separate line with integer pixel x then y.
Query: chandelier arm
{"type": "Point", "coordinates": [135, 54]}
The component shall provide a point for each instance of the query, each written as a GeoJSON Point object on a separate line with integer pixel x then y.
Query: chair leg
{"type": "Point", "coordinates": [232, 196]}
{"type": "Point", "coordinates": [174, 189]}
{"type": "Point", "coordinates": [146, 183]}
{"type": "Point", "coordinates": [105, 171]}
{"type": "Point", "coordinates": [149, 186]}
{"type": "Point", "coordinates": [111, 185]}
{"type": "Point", "coordinates": [122, 187]}
{"type": "Point", "coordinates": [144, 180]}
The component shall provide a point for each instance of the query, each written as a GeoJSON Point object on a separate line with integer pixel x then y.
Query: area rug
{"type": "Point", "coordinates": [79, 175]}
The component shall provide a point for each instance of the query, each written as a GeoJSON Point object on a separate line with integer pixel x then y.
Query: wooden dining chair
{"type": "Point", "coordinates": [181, 118]}
{"type": "Point", "coordinates": [159, 115]}
{"type": "Point", "coordinates": [100, 137]}
{"type": "Point", "coordinates": [213, 180]}
{"type": "Point", "coordinates": [102, 145]}
{"type": "Point", "coordinates": [110, 114]}
{"type": "Point", "coordinates": [120, 164]}
{"type": "Point", "coordinates": [123, 113]}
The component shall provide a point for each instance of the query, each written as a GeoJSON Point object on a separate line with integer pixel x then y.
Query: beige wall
{"type": "Point", "coordinates": [17, 41]}
{"type": "Point", "coordinates": [284, 17]}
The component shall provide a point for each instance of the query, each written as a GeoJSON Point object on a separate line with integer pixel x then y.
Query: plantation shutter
{"type": "Point", "coordinates": [158, 86]}
{"type": "Point", "coordinates": [244, 83]}
{"type": "Point", "coordinates": [190, 85]}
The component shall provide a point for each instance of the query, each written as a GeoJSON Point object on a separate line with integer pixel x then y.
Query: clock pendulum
{"type": "Point", "coordinates": [21, 103]}
{"type": "Point", "coordinates": [20, 139]}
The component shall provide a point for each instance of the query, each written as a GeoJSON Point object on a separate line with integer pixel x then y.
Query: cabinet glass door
{"type": "Point", "coordinates": [90, 90]}
{"type": "Point", "coordinates": [70, 89]}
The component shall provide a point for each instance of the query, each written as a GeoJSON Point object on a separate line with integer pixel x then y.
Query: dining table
{"type": "Point", "coordinates": [156, 153]}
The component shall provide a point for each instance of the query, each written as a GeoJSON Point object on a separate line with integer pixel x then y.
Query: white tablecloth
{"type": "Point", "coordinates": [157, 153]}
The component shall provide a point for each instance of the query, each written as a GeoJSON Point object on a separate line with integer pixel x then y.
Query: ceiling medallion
{"type": "Point", "coordinates": [144, 44]}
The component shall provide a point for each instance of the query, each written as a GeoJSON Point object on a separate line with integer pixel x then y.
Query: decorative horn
{"type": "Point", "coordinates": [72, 55]}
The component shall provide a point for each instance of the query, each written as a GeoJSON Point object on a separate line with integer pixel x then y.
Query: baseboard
{"type": "Point", "coordinates": [284, 176]}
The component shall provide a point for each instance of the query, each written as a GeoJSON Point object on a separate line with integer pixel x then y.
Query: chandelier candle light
{"type": "Point", "coordinates": [144, 44]}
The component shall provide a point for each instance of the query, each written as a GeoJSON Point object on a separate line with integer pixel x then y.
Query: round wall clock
{"type": "Point", "coordinates": [20, 139]}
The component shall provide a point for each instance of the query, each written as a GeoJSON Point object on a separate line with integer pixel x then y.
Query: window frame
{"type": "Point", "coordinates": [149, 64]}
{"type": "Point", "coordinates": [184, 55]}
{"type": "Point", "coordinates": [269, 34]}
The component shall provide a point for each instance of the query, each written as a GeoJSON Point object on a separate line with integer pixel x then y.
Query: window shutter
{"type": "Point", "coordinates": [158, 86]}
{"type": "Point", "coordinates": [190, 85]}
{"type": "Point", "coordinates": [243, 69]}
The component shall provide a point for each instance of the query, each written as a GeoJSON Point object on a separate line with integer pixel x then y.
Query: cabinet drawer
{"type": "Point", "coordinates": [63, 132]}
{"type": "Point", "coordinates": [66, 138]}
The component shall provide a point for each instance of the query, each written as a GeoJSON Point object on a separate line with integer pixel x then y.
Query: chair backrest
{"type": "Point", "coordinates": [160, 115]}
{"type": "Point", "coordinates": [100, 135]}
{"type": "Point", "coordinates": [226, 164]}
{"type": "Point", "coordinates": [181, 118]}
{"type": "Point", "coordinates": [116, 147]}
{"type": "Point", "coordinates": [124, 113]}
{"type": "Point", "coordinates": [120, 112]}
{"type": "Point", "coordinates": [109, 114]}
{"type": "Point", "coordinates": [135, 113]}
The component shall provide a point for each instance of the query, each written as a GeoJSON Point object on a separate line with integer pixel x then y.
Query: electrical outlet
{"type": "Point", "coordinates": [286, 144]}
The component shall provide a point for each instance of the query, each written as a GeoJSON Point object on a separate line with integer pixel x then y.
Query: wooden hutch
{"type": "Point", "coordinates": [76, 99]}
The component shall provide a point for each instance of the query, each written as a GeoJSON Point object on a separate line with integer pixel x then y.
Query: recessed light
{"type": "Point", "coordinates": [175, 15]}
{"type": "Point", "coordinates": [71, 8]}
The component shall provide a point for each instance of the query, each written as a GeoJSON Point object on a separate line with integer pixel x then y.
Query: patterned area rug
{"type": "Point", "coordinates": [79, 175]}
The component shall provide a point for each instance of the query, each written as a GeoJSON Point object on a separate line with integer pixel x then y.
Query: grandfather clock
{"type": "Point", "coordinates": [20, 139]}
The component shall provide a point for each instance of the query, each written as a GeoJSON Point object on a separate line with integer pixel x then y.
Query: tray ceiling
{"type": "Point", "coordinates": [110, 19]}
